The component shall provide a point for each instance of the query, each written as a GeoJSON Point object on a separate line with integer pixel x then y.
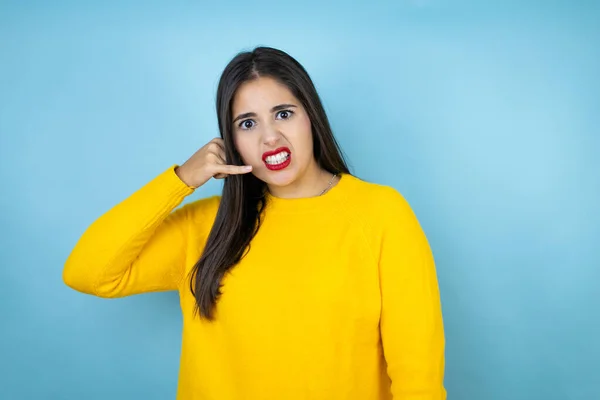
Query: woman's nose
{"type": "Point", "coordinates": [271, 136]}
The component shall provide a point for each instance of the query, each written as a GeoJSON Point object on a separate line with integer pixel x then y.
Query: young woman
{"type": "Point", "coordinates": [300, 281]}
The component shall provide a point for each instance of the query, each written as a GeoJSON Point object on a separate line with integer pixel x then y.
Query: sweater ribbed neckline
{"type": "Point", "coordinates": [329, 199]}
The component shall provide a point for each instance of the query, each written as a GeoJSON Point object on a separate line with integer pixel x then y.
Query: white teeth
{"type": "Point", "coordinates": [278, 158]}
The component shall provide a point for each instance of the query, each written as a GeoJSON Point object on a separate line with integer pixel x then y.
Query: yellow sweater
{"type": "Point", "coordinates": [337, 298]}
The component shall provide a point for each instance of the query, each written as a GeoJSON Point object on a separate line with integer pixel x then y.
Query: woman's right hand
{"type": "Point", "coordinates": [206, 163]}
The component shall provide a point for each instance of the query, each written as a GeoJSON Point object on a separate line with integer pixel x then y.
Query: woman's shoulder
{"type": "Point", "coordinates": [203, 209]}
{"type": "Point", "coordinates": [376, 198]}
{"type": "Point", "coordinates": [380, 208]}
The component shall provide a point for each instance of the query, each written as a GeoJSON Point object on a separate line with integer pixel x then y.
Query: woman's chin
{"type": "Point", "coordinates": [279, 178]}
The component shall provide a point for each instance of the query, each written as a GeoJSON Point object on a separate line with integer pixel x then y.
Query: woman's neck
{"type": "Point", "coordinates": [312, 183]}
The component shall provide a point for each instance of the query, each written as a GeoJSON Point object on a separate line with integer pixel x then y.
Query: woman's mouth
{"type": "Point", "coordinates": [278, 159]}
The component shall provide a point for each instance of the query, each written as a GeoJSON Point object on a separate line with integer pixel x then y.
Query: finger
{"type": "Point", "coordinates": [233, 169]}
{"type": "Point", "coordinates": [221, 158]}
{"type": "Point", "coordinates": [216, 148]}
{"type": "Point", "coordinates": [215, 155]}
{"type": "Point", "coordinates": [220, 142]}
{"type": "Point", "coordinates": [219, 151]}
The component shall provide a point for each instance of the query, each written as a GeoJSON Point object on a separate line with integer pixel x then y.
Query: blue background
{"type": "Point", "coordinates": [484, 114]}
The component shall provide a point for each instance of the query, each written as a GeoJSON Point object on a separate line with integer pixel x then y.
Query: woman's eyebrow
{"type": "Point", "coordinates": [281, 107]}
{"type": "Point", "coordinates": [245, 115]}
{"type": "Point", "coordinates": [252, 114]}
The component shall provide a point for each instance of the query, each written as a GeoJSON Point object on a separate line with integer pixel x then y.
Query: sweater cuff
{"type": "Point", "coordinates": [173, 182]}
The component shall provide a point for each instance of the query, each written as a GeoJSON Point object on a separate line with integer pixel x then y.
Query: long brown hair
{"type": "Point", "coordinates": [243, 198]}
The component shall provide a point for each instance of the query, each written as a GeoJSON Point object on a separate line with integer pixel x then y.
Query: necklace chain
{"type": "Point", "coordinates": [328, 186]}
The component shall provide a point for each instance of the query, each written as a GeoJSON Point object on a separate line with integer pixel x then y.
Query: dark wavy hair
{"type": "Point", "coordinates": [243, 198]}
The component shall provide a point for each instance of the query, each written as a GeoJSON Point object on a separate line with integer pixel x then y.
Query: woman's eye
{"type": "Point", "coordinates": [284, 114]}
{"type": "Point", "coordinates": [247, 124]}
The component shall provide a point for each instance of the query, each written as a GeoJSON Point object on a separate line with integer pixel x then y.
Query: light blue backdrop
{"type": "Point", "coordinates": [483, 114]}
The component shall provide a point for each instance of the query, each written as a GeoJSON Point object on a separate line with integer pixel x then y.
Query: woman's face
{"type": "Point", "coordinates": [272, 132]}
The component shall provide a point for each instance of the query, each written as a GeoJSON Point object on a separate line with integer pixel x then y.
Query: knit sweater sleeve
{"type": "Point", "coordinates": [411, 318]}
{"type": "Point", "coordinates": [137, 246]}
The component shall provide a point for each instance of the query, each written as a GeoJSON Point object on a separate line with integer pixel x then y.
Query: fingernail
{"type": "Point", "coordinates": [248, 167]}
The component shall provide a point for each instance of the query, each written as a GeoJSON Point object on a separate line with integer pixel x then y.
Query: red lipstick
{"type": "Point", "coordinates": [274, 166]}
